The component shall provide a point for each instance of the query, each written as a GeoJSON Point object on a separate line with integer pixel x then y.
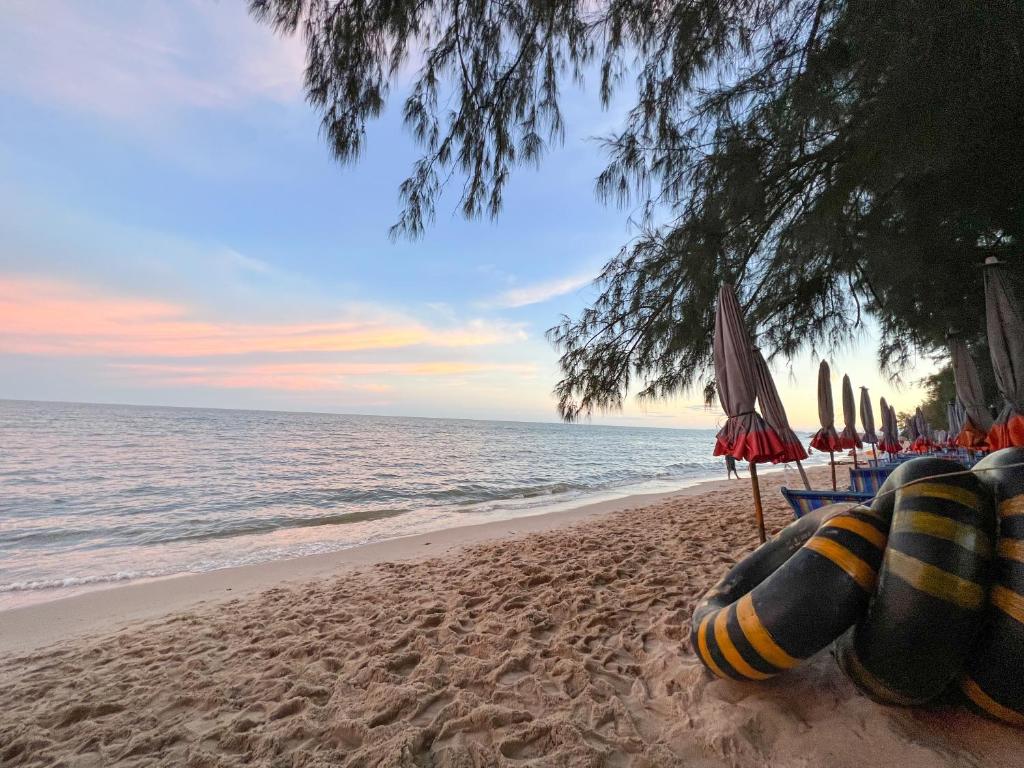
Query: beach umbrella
{"type": "Point", "coordinates": [745, 436]}
{"type": "Point", "coordinates": [895, 427]}
{"type": "Point", "coordinates": [961, 420]}
{"type": "Point", "coordinates": [953, 422]}
{"type": "Point", "coordinates": [925, 433]}
{"type": "Point", "coordinates": [890, 442]}
{"type": "Point", "coordinates": [1004, 321]}
{"type": "Point", "coordinates": [977, 422]}
{"type": "Point", "coordinates": [912, 431]}
{"type": "Point", "coordinates": [924, 426]}
{"type": "Point", "coordinates": [867, 420]}
{"type": "Point", "coordinates": [849, 438]}
{"type": "Point", "coordinates": [775, 414]}
{"type": "Point", "coordinates": [826, 439]}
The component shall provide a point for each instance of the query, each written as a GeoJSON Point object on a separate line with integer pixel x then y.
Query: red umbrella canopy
{"type": "Point", "coordinates": [977, 422]}
{"type": "Point", "coordinates": [826, 438]}
{"type": "Point", "coordinates": [745, 436]}
{"type": "Point", "coordinates": [867, 417]}
{"type": "Point", "coordinates": [1005, 325]}
{"type": "Point", "coordinates": [774, 411]}
{"type": "Point", "coordinates": [890, 442]}
{"type": "Point", "coordinates": [849, 438]}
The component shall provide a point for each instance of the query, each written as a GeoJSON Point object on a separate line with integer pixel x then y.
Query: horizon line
{"type": "Point", "coordinates": [350, 413]}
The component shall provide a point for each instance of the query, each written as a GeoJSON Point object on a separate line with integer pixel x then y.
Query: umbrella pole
{"type": "Point", "coordinates": [758, 510]}
{"type": "Point", "coordinates": [803, 476]}
{"type": "Point", "coordinates": [856, 464]}
{"type": "Point", "coordinates": [874, 453]}
{"type": "Point", "coordinates": [832, 463]}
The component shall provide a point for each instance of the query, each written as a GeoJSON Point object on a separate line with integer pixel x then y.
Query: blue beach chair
{"type": "Point", "coordinates": [803, 502]}
{"type": "Point", "coordinates": [869, 479]}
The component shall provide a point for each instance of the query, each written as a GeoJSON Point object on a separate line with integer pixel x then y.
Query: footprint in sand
{"type": "Point", "coordinates": [404, 663]}
{"type": "Point", "coordinates": [288, 708]}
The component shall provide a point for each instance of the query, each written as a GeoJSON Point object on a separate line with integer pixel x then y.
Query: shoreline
{"type": "Point", "coordinates": [111, 607]}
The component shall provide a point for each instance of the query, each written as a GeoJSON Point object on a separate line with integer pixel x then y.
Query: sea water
{"type": "Point", "coordinates": [92, 495]}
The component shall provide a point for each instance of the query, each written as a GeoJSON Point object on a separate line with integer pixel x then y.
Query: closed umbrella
{"type": "Point", "coordinates": [775, 414]}
{"type": "Point", "coordinates": [921, 442]}
{"type": "Point", "coordinates": [826, 438]}
{"type": "Point", "coordinates": [895, 427]}
{"type": "Point", "coordinates": [1004, 321]}
{"type": "Point", "coordinates": [867, 420]}
{"type": "Point", "coordinates": [933, 435]}
{"type": "Point", "coordinates": [745, 435]}
{"type": "Point", "coordinates": [849, 438]}
{"type": "Point", "coordinates": [951, 417]}
{"type": "Point", "coordinates": [913, 431]}
{"type": "Point", "coordinates": [973, 434]}
{"type": "Point", "coordinates": [890, 442]}
{"type": "Point", "coordinates": [961, 420]}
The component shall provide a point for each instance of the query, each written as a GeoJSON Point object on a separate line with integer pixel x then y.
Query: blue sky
{"type": "Point", "coordinates": [175, 232]}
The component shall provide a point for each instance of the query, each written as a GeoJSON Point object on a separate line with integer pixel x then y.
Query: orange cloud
{"type": "Point", "coordinates": [43, 317]}
{"type": "Point", "coordinates": [309, 377]}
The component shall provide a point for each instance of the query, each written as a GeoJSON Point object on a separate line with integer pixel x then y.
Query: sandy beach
{"type": "Point", "coordinates": [557, 640]}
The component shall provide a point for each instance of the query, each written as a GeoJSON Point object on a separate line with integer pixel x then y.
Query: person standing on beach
{"type": "Point", "coordinates": [730, 467]}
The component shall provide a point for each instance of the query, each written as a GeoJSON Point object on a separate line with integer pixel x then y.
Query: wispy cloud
{"type": "Point", "coordinates": [53, 318]}
{"type": "Point", "coordinates": [135, 61]}
{"type": "Point", "coordinates": [311, 377]}
{"type": "Point", "coordinates": [235, 260]}
{"type": "Point", "coordinates": [536, 293]}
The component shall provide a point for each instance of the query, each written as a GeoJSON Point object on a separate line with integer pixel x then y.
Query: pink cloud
{"type": "Point", "coordinates": [146, 341]}
{"type": "Point", "coordinates": [50, 318]}
{"type": "Point", "coordinates": [310, 377]}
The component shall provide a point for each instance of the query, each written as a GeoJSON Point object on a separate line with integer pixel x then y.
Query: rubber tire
{"type": "Point", "coordinates": [931, 598]}
{"type": "Point", "coordinates": [994, 683]}
{"type": "Point", "coordinates": [792, 596]}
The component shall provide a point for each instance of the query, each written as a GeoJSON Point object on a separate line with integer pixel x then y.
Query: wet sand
{"type": "Point", "coordinates": [560, 640]}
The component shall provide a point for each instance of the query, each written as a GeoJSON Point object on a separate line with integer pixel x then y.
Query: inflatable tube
{"type": "Point", "coordinates": [792, 596]}
{"type": "Point", "coordinates": [885, 500]}
{"type": "Point", "coordinates": [932, 588]}
{"type": "Point", "coordinates": [994, 683]}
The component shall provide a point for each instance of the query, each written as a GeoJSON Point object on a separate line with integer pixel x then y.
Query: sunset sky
{"type": "Point", "coordinates": [175, 232]}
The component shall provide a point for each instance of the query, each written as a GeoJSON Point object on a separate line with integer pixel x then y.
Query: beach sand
{"type": "Point", "coordinates": [543, 642]}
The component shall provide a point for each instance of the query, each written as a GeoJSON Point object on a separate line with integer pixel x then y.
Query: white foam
{"type": "Point", "coordinates": [74, 581]}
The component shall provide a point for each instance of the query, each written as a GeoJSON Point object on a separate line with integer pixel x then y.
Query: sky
{"type": "Point", "coordinates": [175, 232]}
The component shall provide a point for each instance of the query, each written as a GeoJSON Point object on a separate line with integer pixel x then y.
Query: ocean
{"type": "Point", "coordinates": [92, 495]}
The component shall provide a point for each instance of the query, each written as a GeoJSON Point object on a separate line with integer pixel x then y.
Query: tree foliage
{"type": "Point", "coordinates": [835, 159]}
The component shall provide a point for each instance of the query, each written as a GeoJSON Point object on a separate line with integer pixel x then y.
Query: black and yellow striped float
{"type": "Point", "coordinates": [932, 589]}
{"type": "Point", "coordinates": [884, 503]}
{"type": "Point", "coordinates": [994, 682]}
{"type": "Point", "coordinates": [924, 589]}
{"type": "Point", "coordinates": [792, 596]}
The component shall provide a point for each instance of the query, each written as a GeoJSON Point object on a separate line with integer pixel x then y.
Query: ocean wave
{"type": "Point", "coordinates": [98, 494]}
{"type": "Point", "coordinates": [242, 518]}
{"type": "Point", "coordinates": [231, 529]}
{"type": "Point", "coordinates": [75, 581]}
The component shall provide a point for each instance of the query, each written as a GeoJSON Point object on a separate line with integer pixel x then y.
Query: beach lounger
{"type": "Point", "coordinates": [803, 502]}
{"type": "Point", "coordinates": [869, 479]}
{"type": "Point", "coordinates": [890, 461]}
